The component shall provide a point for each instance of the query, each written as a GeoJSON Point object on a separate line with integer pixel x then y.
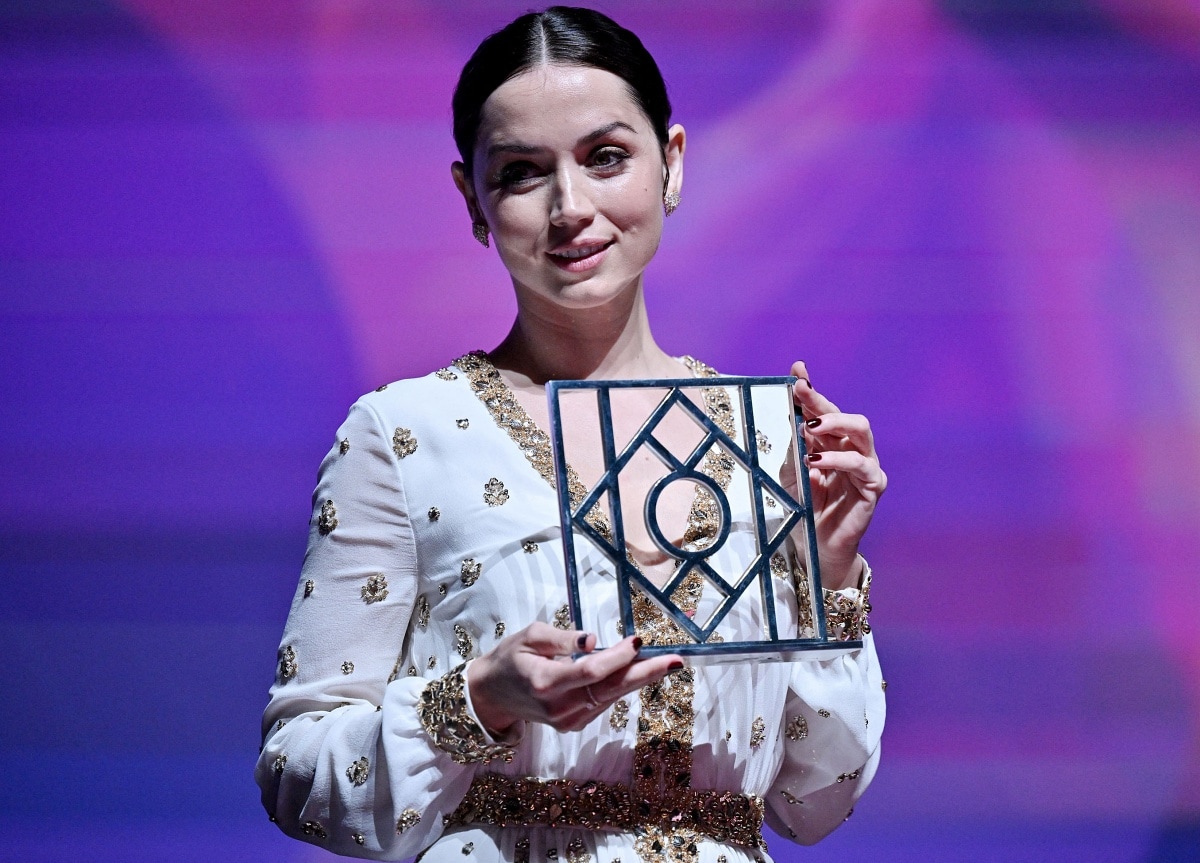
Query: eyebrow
{"type": "Point", "coordinates": [526, 149]}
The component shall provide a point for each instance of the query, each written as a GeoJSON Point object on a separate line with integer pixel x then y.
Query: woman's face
{"type": "Point", "coordinates": [568, 176]}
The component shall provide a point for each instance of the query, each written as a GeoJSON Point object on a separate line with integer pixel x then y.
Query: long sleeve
{"type": "Point", "coordinates": [833, 719]}
{"type": "Point", "coordinates": [346, 762]}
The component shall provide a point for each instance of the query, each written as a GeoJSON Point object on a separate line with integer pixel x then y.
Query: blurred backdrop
{"type": "Point", "coordinates": [978, 222]}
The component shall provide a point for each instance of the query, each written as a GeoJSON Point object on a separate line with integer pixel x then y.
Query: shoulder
{"type": "Point", "coordinates": [415, 397]}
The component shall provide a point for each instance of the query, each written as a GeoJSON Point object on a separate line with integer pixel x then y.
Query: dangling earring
{"type": "Point", "coordinates": [480, 230]}
{"type": "Point", "coordinates": [670, 202]}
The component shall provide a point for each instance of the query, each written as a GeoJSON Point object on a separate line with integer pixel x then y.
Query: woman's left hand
{"type": "Point", "coordinates": [845, 477]}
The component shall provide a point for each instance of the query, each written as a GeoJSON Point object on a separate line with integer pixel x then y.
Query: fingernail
{"type": "Point", "coordinates": [581, 641]}
{"type": "Point", "coordinates": [814, 456]}
{"type": "Point", "coordinates": [675, 666]}
{"type": "Point", "coordinates": [806, 382]}
{"type": "Point", "coordinates": [637, 642]}
{"type": "Point", "coordinates": [813, 423]}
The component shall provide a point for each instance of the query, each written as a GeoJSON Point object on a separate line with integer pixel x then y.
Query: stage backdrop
{"type": "Point", "coordinates": [978, 222]}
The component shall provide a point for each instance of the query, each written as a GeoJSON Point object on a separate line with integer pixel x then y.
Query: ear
{"type": "Point", "coordinates": [467, 189]}
{"type": "Point", "coordinates": [673, 156]}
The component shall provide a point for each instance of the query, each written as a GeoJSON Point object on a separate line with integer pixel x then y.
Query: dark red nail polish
{"type": "Point", "coordinates": [813, 423]}
{"type": "Point", "coordinates": [814, 456]}
{"type": "Point", "coordinates": [637, 642]}
{"type": "Point", "coordinates": [675, 666]}
{"type": "Point", "coordinates": [581, 641]}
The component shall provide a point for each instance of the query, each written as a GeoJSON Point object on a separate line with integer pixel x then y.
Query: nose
{"type": "Point", "coordinates": [571, 203]}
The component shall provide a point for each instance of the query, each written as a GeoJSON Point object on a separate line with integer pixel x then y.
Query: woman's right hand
{"type": "Point", "coordinates": [531, 676]}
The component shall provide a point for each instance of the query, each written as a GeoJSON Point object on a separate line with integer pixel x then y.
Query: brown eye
{"type": "Point", "coordinates": [609, 157]}
{"type": "Point", "coordinates": [515, 173]}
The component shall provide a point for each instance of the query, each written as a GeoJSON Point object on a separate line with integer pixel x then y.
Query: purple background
{"type": "Point", "coordinates": [978, 222]}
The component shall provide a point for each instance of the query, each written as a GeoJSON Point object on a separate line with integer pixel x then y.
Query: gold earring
{"type": "Point", "coordinates": [480, 230]}
{"type": "Point", "coordinates": [670, 202]}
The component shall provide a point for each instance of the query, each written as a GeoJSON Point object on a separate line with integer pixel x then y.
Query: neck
{"type": "Point", "coordinates": [548, 342]}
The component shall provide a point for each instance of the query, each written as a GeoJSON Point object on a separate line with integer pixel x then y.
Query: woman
{"type": "Point", "coordinates": [426, 697]}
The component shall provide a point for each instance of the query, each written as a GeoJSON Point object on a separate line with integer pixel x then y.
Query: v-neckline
{"type": "Point", "coordinates": [534, 442]}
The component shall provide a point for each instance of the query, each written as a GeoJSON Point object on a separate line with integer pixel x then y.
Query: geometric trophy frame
{"type": "Point", "coordinates": [774, 582]}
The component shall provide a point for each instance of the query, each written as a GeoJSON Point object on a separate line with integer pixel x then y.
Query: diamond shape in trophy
{"type": "Point", "coordinates": [739, 579]}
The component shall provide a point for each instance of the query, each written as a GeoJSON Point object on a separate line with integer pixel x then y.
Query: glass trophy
{"type": "Point", "coordinates": [684, 516]}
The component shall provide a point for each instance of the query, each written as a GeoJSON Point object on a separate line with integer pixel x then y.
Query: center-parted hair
{"type": "Point", "coordinates": [566, 35]}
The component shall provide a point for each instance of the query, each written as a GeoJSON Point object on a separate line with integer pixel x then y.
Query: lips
{"type": "Point", "coordinates": [580, 256]}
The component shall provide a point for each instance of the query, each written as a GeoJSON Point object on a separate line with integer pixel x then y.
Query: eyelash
{"type": "Point", "coordinates": [516, 173]}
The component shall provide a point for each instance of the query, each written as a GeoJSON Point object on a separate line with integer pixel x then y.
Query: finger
{"type": "Point", "coordinates": [550, 641]}
{"type": "Point", "coordinates": [864, 472]}
{"type": "Point", "coordinates": [598, 666]}
{"type": "Point", "coordinates": [811, 402]}
{"type": "Point", "coordinates": [841, 430]}
{"type": "Point", "coordinates": [605, 693]}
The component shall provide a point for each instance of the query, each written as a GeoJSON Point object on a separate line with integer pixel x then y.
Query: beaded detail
{"type": "Point", "coordinates": [408, 819]}
{"type": "Point", "coordinates": [471, 568]}
{"type": "Point", "coordinates": [403, 443]}
{"type": "Point", "coordinates": [524, 801]}
{"type": "Point", "coordinates": [327, 520]}
{"type": "Point", "coordinates": [434, 513]}
{"type": "Point", "coordinates": [309, 587]}
{"type": "Point", "coordinates": [375, 590]}
{"type": "Point", "coordinates": [422, 612]}
{"type": "Point", "coordinates": [494, 492]}
{"type": "Point", "coordinates": [344, 445]}
{"type": "Point", "coordinates": [562, 618]}
{"type": "Point", "coordinates": [619, 717]}
{"type": "Point", "coordinates": [797, 728]}
{"type": "Point", "coordinates": [358, 771]}
{"type": "Point", "coordinates": [443, 713]}
{"type": "Point", "coordinates": [313, 828]}
{"type": "Point", "coordinates": [758, 732]}
{"type": "Point", "coordinates": [846, 611]}
{"type": "Point", "coordinates": [287, 663]}
{"type": "Point", "coordinates": [446, 374]}
{"type": "Point", "coordinates": [463, 643]}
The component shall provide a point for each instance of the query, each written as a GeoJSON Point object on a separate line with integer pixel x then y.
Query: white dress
{"type": "Point", "coordinates": [436, 532]}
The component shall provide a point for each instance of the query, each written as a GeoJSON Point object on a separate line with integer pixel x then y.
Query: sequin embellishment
{"type": "Point", "coordinates": [562, 618]}
{"type": "Point", "coordinates": [287, 663]}
{"type": "Point", "coordinates": [463, 643]}
{"type": "Point", "coordinates": [442, 710]}
{"type": "Point", "coordinates": [403, 443]}
{"type": "Point", "coordinates": [758, 732]}
{"type": "Point", "coordinates": [797, 728]}
{"type": "Point", "coordinates": [375, 590]}
{"type": "Point", "coordinates": [347, 667]}
{"type": "Point", "coordinates": [494, 493]}
{"type": "Point", "coordinates": [358, 771]}
{"type": "Point", "coordinates": [408, 819]}
{"type": "Point", "coordinates": [327, 520]}
{"type": "Point", "coordinates": [529, 546]}
{"type": "Point", "coordinates": [470, 571]}
{"type": "Point", "coordinates": [619, 717]}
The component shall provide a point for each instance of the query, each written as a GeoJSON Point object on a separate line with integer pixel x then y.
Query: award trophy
{"type": "Point", "coordinates": [744, 580]}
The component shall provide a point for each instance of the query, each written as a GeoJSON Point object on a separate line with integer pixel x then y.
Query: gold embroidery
{"type": "Point", "coordinates": [494, 492]}
{"type": "Point", "coordinates": [422, 611]}
{"type": "Point", "coordinates": [562, 618]}
{"type": "Point", "coordinates": [470, 571]}
{"type": "Point", "coordinates": [375, 590]}
{"type": "Point", "coordinates": [501, 800]}
{"type": "Point", "coordinates": [347, 667]}
{"type": "Point", "coordinates": [434, 513]}
{"type": "Point", "coordinates": [758, 732]}
{"type": "Point", "coordinates": [327, 520]}
{"type": "Point", "coordinates": [443, 713]}
{"type": "Point", "coordinates": [779, 567]}
{"type": "Point", "coordinates": [309, 587]}
{"type": "Point", "coordinates": [403, 443]}
{"type": "Point", "coordinates": [463, 423]}
{"type": "Point", "coordinates": [823, 713]}
{"type": "Point", "coordinates": [446, 374]}
{"type": "Point", "coordinates": [287, 663]}
{"type": "Point", "coordinates": [463, 644]}
{"type": "Point", "coordinates": [797, 728]}
{"type": "Point", "coordinates": [619, 717]}
{"type": "Point", "coordinates": [529, 546]}
{"type": "Point", "coordinates": [280, 763]}
{"type": "Point", "coordinates": [764, 445]}
{"type": "Point", "coordinates": [500, 629]}
{"type": "Point", "coordinates": [313, 828]}
{"type": "Point", "coordinates": [408, 819]}
{"type": "Point", "coordinates": [577, 852]}
{"type": "Point", "coordinates": [358, 771]}
{"type": "Point", "coordinates": [344, 445]}
{"type": "Point", "coordinates": [846, 616]}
